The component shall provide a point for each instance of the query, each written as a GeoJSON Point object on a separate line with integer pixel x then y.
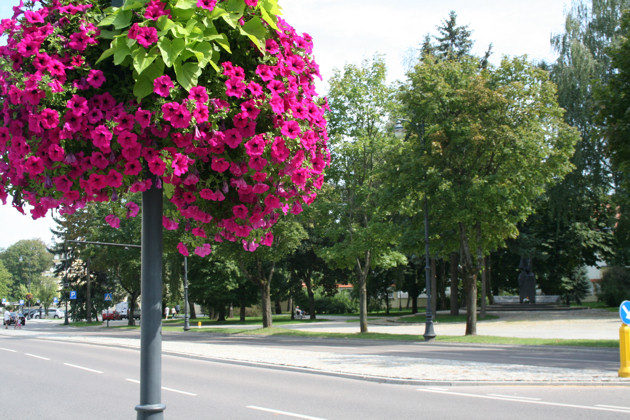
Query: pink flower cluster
{"type": "Point", "coordinates": [236, 157]}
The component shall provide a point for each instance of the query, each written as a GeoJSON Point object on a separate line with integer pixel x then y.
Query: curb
{"type": "Point", "coordinates": [360, 377]}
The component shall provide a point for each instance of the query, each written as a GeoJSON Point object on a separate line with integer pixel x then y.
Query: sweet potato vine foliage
{"type": "Point", "coordinates": [214, 101]}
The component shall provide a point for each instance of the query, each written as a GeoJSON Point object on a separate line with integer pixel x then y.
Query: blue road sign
{"type": "Point", "coordinates": [4, 301]}
{"type": "Point", "coordinates": [55, 300]}
{"type": "Point", "coordinates": [624, 311]}
{"type": "Point", "coordinates": [108, 296]}
{"type": "Point", "coordinates": [21, 301]}
{"type": "Point", "coordinates": [73, 295]}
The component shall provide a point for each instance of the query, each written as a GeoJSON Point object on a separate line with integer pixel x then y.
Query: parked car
{"type": "Point", "coordinates": [112, 316]}
{"type": "Point", "coordinates": [52, 313]}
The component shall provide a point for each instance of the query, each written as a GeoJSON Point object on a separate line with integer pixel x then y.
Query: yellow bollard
{"type": "Point", "coordinates": [624, 350]}
{"type": "Point", "coordinates": [199, 324]}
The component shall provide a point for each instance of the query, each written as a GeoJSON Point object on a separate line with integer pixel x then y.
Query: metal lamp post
{"type": "Point", "coordinates": [429, 332]}
{"type": "Point", "coordinates": [186, 316]}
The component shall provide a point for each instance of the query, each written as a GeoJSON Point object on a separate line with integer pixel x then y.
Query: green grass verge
{"type": "Point", "coordinates": [85, 324]}
{"type": "Point", "coordinates": [597, 305]}
{"type": "Point", "coordinates": [421, 318]}
{"type": "Point", "coordinates": [251, 320]}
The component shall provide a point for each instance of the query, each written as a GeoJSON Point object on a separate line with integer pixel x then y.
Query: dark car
{"type": "Point", "coordinates": [13, 319]}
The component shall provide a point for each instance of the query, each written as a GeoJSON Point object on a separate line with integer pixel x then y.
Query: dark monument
{"type": "Point", "coordinates": [526, 282]}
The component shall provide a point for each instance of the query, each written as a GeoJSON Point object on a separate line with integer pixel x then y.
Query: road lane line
{"type": "Point", "coordinates": [12, 351]}
{"type": "Point", "coordinates": [36, 356]}
{"type": "Point", "coordinates": [515, 396]}
{"type": "Point", "coordinates": [83, 368]}
{"type": "Point", "coordinates": [284, 413]}
{"type": "Point", "coordinates": [612, 406]}
{"type": "Point", "coordinates": [583, 407]}
{"type": "Point", "coordinates": [135, 381]}
{"type": "Point", "coordinates": [178, 391]}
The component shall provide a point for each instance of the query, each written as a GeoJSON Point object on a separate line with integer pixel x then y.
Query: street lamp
{"type": "Point", "coordinates": [186, 317]}
{"type": "Point", "coordinates": [429, 332]}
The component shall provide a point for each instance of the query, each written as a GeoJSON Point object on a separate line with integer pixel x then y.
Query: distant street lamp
{"type": "Point", "coordinates": [186, 317]}
{"type": "Point", "coordinates": [429, 332]}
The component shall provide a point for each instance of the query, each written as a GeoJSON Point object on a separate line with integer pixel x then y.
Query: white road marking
{"type": "Point", "coordinates": [612, 406]}
{"type": "Point", "coordinates": [12, 351]}
{"type": "Point", "coordinates": [135, 381]}
{"type": "Point", "coordinates": [178, 391]}
{"type": "Point", "coordinates": [284, 413]}
{"type": "Point", "coordinates": [438, 388]}
{"type": "Point", "coordinates": [83, 368]}
{"type": "Point", "coordinates": [488, 397]}
{"type": "Point", "coordinates": [36, 356]}
{"type": "Point", "coordinates": [515, 396]}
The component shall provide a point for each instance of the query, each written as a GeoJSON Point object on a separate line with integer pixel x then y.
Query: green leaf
{"type": "Point", "coordinates": [106, 54]}
{"type": "Point", "coordinates": [171, 49]}
{"type": "Point", "coordinates": [105, 34]}
{"type": "Point", "coordinates": [223, 41]}
{"type": "Point", "coordinates": [235, 6]}
{"type": "Point", "coordinates": [133, 5]}
{"type": "Point", "coordinates": [143, 87]}
{"type": "Point", "coordinates": [185, 4]}
{"type": "Point", "coordinates": [203, 51]}
{"type": "Point", "coordinates": [109, 19]}
{"type": "Point", "coordinates": [123, 19]}
{"type": "Point", "coordinates": [187, 74]}
{"type": "Point", "coordinates": [164, 23]}
{"type": "Point", "coordinates": [169, 190]}
{"type": "Point", "coordinates": [270, 19]}
{"type": "Point", "coordinates": [121, 50]}
{"type": "Point", "coordinates": [142, 59]}
{"type": "Point", "coordinates": [256, 31]}
{"type": "Point", "coordinates": [155, 70]}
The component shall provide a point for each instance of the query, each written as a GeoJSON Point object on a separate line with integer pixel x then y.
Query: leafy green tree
{"type": "Point", "coordinates": [489, 142]}
{"type": "Point", "coordinates": [5, 281]}
{"type": "Point", "coordinates": [26, 261]}
{"type": "Point", "coordinates": [454, 41]}
{"type": "Point", "coordinates": [359, 232]}
{"type": "Point", "coordinates": [46, 290]}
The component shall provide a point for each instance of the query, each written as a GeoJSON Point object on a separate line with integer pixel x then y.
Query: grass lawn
{"type": "Point", "coordinates": [85, 324]}
{"type": "Point", "coordinates": [597, 305]}
{"type": "Point", "coordinates": [250, 320]}
{"type": "Point", "coordinates": [421, 318]}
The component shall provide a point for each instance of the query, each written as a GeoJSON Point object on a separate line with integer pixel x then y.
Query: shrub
{"type": "Point", "coordinates": [615, 286]}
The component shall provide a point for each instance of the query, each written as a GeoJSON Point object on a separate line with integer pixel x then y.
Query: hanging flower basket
{"type": "Point", "coordinates": [212, 101]}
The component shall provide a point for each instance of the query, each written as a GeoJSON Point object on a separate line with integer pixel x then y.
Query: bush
{"type": "Point", "coordinates": [340, 303]}
{"type": "Point", "coordinates": [575, 287]}
{"type": "Point", "coordinates": [615, 286]}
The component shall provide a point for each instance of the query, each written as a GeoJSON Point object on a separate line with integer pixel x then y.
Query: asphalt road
{"type": "Point", "coordinates": [58, 380]}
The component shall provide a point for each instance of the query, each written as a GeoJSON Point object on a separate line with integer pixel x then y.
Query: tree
{"type": "Point", "coordinates": [453, 41]}
{"type": "Point", "coordinates": [359, 231]}
{"type": "Point", "coordinates": [489, 142]}
{"type": "Point", "coordinates": [26, 261]}
{"type": "Point", "coordinates": [5, 281]}
{"type": "Point", "coordinates": [46, 290]}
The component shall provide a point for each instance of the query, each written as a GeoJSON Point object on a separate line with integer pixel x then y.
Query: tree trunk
{"type": "Point", "coordinates": [231, 311]}
{"type": "Point", "coordinates": [265, 298]}
{"type": "Point", "coordinates": [193, 314]}
{"type": "Point", "coordinates": [470, 282]}
{"type": "Point", "coordinates": [290, 307]}
{"type": "Point", "coordinates": [489, 281]}
{"type": "Point", "coordinates": [442, 284]}
{"type": "Point", "coordinates": [433, 286]}
{"type": "Point", "coordinates": [221, 313]}
{"type": "Point", "coordinates": [413, 293]}
{"type": "Point", "coordinates": [242, 313]}
{"type": "Point", "coordinates": [278, 308]}
{"type": "Point", "coordinates": [484, 290]}
{"type": "Point", "coordinates": [132, 308]}
{"type": "Point", "coordinates": [363, 273]}
{"type": "Point", "coordinates": [311, 296]}
{"type": "Point", "coordinates": [454, 285]}
{"type": "Point", "coordinates": [386, 302]}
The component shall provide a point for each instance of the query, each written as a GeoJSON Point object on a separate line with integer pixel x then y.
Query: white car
{"type": "Point", "coordinates": [52, 313]}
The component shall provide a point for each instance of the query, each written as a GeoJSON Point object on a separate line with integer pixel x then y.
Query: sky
{"type": "Point", "coordinates": [348, 31]}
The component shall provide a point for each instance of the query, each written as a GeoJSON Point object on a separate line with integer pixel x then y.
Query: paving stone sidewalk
{"type": "Point", "coordinates": [377, 367]}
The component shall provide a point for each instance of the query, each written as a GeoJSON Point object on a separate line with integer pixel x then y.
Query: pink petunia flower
{"type": "Point", "coordinates": [163, 85]}
{"type": "Point", "coordinates": [183, 249]}
{"type": "Point", "coordinates": [204, 250]}
{"type": "Point", "coordinates": [113, 221]}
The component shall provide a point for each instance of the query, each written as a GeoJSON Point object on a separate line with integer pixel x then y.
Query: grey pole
{"type": "Point", "coordinates": [186, 316]}
{"type": "Point", "coordinates": [150, 406]}
{"type": "Point", "coordinates": [65, 283]}
{"type": "Point", "coordinates": [429, 333]}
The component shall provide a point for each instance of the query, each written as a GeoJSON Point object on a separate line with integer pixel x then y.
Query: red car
{"type": "Point", "coordinates": [112, 316]}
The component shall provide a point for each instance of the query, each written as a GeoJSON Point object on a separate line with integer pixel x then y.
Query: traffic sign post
{"type": "Point", "coordinates": [73, 295]}
{"type": "Point", "coordinates": [55, 300]}
{"type": "Point", "coordinates": [108, 297]}
{"type": "Point", "coordinates": [624, 339]}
